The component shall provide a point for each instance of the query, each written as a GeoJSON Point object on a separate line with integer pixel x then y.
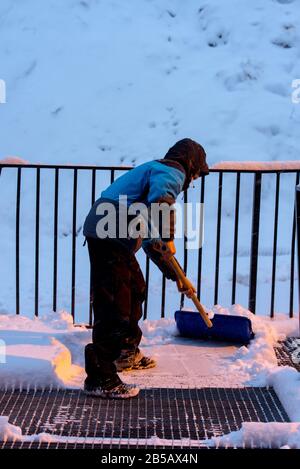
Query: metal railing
{"type": "Point", "coordinates": [234, 210]}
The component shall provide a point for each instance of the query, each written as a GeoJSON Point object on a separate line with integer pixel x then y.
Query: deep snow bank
{"type": "Point", "coordinates": [119, 81]}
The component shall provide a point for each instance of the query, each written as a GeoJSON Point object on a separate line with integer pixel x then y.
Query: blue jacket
{"type": "Point", "coordinates": [148, 183]}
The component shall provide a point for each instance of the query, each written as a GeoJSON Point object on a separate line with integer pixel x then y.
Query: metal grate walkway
{"type": "Point", "coordinates": [181, 417]}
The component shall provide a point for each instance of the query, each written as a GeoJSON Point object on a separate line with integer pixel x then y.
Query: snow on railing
{"type": "Point", "coordinates": [257, 166]}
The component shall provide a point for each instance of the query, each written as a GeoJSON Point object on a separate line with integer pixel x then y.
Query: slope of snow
{"type": "Point", "coordinates": [109, 82]}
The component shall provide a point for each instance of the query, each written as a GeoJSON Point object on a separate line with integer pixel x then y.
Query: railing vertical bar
{"type": "Point", "coordinates": [163, 297]}
{"type": "Point", "coordinates": [19, 178]}
{"type": "Point", "coordinates": [147, 287]}
{"type": "Point", "coordinates": [254, 241]}
{"type": "Point", "coordinates": [292, 271]}
{"type": "Point", "coordinates": [185, 252]}
{"type": "Point", "coordinates": [275, 244]}
{"type": "Point", "coordinates": [93, 193]}
{"type": "Point", "coordinates": [297, 205]}
{"type": "Point", "coordinates": [236, 236]}
{"type": "Point", "coordinates": [55, 237]}
{"type": "Point", "coordinates": [199, 277]}
{"type": "Point", "coordinates": [74, 234]}
{"type": "Point", "coordinates": [218, 238]}
{"type": "Point", "coordinates": [112, 176]}
{"type": "Point", "coordinates": [37, 241]}
{"type": "Point", "coordinates": [93, 197]}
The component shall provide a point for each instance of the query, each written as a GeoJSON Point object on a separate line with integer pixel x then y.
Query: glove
{"type": "Point", "coordinates": [157, 257]}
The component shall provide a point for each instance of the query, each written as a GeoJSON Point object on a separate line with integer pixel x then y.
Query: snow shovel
{"type": "Point", "coordinates": [223, 327]}
{"type": "Point", "coordinates": [187, 284]}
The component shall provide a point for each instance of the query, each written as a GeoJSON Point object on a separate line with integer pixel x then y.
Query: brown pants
{"type": "Point", "coordinates": [118, 292]}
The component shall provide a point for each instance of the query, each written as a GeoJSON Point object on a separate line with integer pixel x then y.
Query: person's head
{"type": "Point", "coordinates": [192, 157]}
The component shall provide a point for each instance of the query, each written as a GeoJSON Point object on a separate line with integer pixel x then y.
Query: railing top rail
{"type": "Point", "coordinates": [126, 168]}
{"type": "Point", "coordinates": [63, 166]}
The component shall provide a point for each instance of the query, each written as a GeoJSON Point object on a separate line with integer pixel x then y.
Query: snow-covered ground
{"type": "Point", "coordinates": [49, 352]}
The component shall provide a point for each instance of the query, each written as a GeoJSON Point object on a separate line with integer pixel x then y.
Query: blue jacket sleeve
{"type": "Point", "coordinates": [165, 183]}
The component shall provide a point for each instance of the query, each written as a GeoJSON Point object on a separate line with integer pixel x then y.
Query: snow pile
{"type": "Point", "coordinates": [44, 363]}
{"type": "Point", "coordinates": [260, 435]}
{"type": "Point", "coordinates": [159, 331]}
{"type": "Point", "coordinates": [286, 382]}
{"type": "Point", "coordinates": [9, 432]}
{"type": "Point", "coordinates": [259, 358]}
{"type": "Point", "coordinates": [39, 351]}
{"type": "Point", "coordinates": [258, 361]}
{"type": "Point", "coordinates": [13, 160]}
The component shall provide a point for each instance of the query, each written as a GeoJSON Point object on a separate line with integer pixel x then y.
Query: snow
{"type": "Point", "coordinates": [260, 435]}
{"type": "Point", "coordinates": [258, 165]}
{"type": "Point", "coordinates": [8, 432]}
{"type": "Point", "coordinates": [155, 71]}
{"type": "Point", "coordinates": [286, 382]}
{"type": "Point", "coordinates": [13, 160]}
{"type": "Point", "coordinates": [49, 351]}
{"type": "Point", "coordinates": [36, 355]}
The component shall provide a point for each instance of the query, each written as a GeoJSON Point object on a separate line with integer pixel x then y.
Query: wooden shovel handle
{"type": "Point", "coordinates": [188, 285]}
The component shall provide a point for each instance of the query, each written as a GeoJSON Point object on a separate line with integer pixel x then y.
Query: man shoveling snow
{"type": "Point", "coordinates": [118, 286]}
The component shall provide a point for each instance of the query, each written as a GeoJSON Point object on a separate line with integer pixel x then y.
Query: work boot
{"type": "Point", "coordinates": [134, 361]}
{"type": "Point", "coordinates": [120, 391]}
